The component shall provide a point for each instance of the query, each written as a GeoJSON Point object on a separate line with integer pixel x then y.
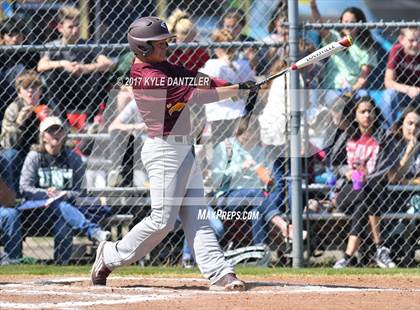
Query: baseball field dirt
{"type": "Point", "coordinates": [190, 291]}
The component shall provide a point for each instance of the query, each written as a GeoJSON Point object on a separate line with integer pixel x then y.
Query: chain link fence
{"type": "Point", "coordinates": [70, 60]}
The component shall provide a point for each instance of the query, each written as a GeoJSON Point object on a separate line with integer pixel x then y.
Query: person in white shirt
{"type": "Point", "coordinates": [225, 114]}
{"type": "Point", "coordinates": [128, 123]}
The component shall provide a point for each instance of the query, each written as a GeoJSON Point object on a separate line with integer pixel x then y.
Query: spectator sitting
{"type": "Point", "coordinates": [223, 115]}
{"type": "Point", "coordinates": [52, 177]}
{"type": "Point", "coordinates": [12, 32]}
{"type": "Point", "coordinates": [279, 33]}
{"type": "Point", "coordinates": [273, 119]}
{"type": "Point", "coordinates": [333, 125]}
{"type": "Point", "coordinates": [234, 21]}
{"type": "Point", "coordinates": [402, 75]}
{"type": "Point", "coordinates": [239, 172]}
{"type": "Point", "coordinates": [181, 25]}
{"type": "Point", "coordinates": [406, 134]}
{"type": "Point", "coordinates": [75, 78]}
{"type": "Point", "coordinates": [128, 132]}
{"type": "Point", "coordinates": [349, 70]}
{"type": "Point", "coordinates": [406, 153]}
{"type": "Point", "coordinates": [404, 149]}
{"type": "Point", "coordinates": [10, 227]}
{"type": "Point", "coordinates": [361, 194]}
{"type": "Point", "coordinates": [21, 122]}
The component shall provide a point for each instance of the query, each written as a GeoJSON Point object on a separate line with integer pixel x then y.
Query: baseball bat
{"type": "Point", "coordinates": [316, 56]}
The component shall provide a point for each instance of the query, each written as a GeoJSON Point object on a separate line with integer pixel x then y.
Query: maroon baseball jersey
{"type": "Point", "coordinates": [163, 91]}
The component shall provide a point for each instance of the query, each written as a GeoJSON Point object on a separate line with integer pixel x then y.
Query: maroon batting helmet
{"type": "Point", "coordinates": [146, 29]}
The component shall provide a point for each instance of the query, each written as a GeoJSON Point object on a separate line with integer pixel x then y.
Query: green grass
{"type": "Point", "coordinates": [168, 271]}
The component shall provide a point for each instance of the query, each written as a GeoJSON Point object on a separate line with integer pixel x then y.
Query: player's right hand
{"type": "Point", "coordinates": [250, 85]}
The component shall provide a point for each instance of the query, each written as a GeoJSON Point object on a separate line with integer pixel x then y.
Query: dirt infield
{"type": "Point", "coordinates": [280, 292]}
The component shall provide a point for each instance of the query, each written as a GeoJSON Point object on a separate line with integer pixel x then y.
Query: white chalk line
{"type": "Point", "coordinates": [116, 296]}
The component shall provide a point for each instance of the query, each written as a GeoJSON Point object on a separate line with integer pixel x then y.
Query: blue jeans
{"type": "Point", "coordinates": [272, 204]}
{"type": "Point", "coordinates": [92, 209]}
{"type": "Point", "coordinates": [219, 230]}
{"type": "Point", "coordinates": [11, 232]}
{"type": "Point", "coordinates": [63, 218]}
{"type": "Point", "coordinates": [266, 210]}
{"type": "Point", "coordinates": [13, 160]}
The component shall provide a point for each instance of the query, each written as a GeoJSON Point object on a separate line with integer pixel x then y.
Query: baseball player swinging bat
{"type": "Point", "coordinates": [316, 56]}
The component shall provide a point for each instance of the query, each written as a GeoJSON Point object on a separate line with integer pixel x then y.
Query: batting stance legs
{"type": "Point", "coordinates": [176, 187]}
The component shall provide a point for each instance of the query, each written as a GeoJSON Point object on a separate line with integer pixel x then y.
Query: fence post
{"type": "Point", "coordinates": [295, 145]}
{"type": "Point", "coordinates": [97, 21]}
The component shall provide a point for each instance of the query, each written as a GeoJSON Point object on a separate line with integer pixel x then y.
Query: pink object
{"type": "Point", "coordinates": [357, 178]}
{"type": "Point", "coordinates": [294, 67]}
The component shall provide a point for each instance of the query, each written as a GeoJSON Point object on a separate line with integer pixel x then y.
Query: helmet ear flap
{"type": "Point", "coordinates": [148, 49]}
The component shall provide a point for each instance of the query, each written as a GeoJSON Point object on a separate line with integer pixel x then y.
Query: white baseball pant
{"type": "Point", "coordinates": [176, 187]}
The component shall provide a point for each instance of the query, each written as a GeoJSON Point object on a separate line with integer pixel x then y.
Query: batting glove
{"type": "Point", "coordinates": [250, 85]}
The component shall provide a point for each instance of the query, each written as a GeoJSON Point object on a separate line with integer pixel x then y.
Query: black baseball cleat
{"type": "Point", "coordinates": [99, 271]}
{"type": "Point", "coordinates": [228, 282]}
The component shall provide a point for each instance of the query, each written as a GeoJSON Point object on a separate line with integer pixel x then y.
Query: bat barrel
{"type": "Point", "coordinates": [323, 52]}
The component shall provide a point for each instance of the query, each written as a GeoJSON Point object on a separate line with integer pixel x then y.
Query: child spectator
{"type": "Point", "coordinates": [348, 70]}
{"type": "Point", "coordinates": [52, 172]}
{"type": "Point", "coordinates": [181, 25]}
{"type": "Point", "coordinates": [405, 150]}
{"type": "Point", "coordinates": [234, 21]}
{"type": "Point", "coordinates": [75, 78]}
{"type": "Point", "coordinates": [361, 195]}
{"type": "Point", "coordinates": [405, 132]}
{"type": "Point", "coordinates": [402, 75]}
{"type": "Point", "coordinates": [21, 122]}
{"type": "Point", "coordinates": [223, 115]}
{"type": "Point", "coordinates": [279, 33]}
{"type": "Point", "coordinates": [12, 32]}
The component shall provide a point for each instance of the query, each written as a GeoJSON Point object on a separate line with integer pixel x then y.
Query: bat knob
{"type": "Point", "coordinates": [294, 67]}
{"type": "Point", "coordinates": [347, 41]}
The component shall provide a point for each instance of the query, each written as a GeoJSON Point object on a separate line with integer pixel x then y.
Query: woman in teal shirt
{"type": "Point", "coordinates": [348, 70]}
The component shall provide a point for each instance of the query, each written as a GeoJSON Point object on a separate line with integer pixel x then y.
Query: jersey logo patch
{"type": "Point", "coordinates": [176, 107]}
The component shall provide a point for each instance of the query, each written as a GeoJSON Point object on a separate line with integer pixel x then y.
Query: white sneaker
{"type": "Point", "coordinates": [341, 263]}
{"type": "Point", "coordinates": [115, 178]}
{"type": "Point", "coordinates": [383, 259]}
{"type": "Point", "coordinates": [99, 272]}
{"type": "Point", "coordinates": [101, 235]}
{"type": "Point", "coordinates": [188, 263]}
{"type": "Point", "coordinates": [289, 233]}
